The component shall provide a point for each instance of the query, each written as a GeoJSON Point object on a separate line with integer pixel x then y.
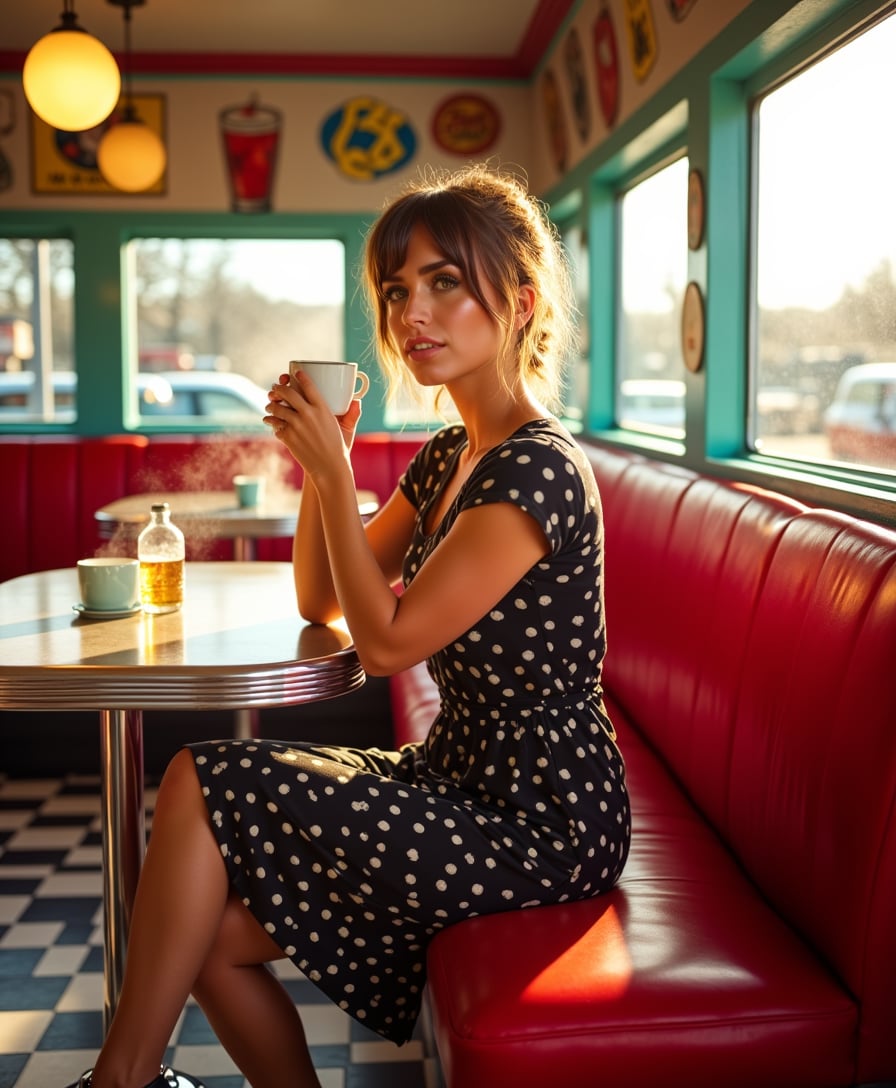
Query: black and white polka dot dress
{"type": "Point", "coordinates": [354, 859]}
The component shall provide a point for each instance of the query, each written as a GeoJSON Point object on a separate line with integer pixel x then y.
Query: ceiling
{"type": "Point", "coordinates": [440, 38]}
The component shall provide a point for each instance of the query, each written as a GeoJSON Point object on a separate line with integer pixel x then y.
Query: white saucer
{"type": "Point", "coordinates": [106, 614]}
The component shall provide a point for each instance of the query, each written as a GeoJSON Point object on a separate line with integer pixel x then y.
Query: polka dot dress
{"type": "Point", "coordinates": [354, 859]}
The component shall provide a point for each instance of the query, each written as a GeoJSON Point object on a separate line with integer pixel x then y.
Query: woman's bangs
{"type": "Point", "coordinates": [440, 214]}
{"type": "Point", "coordinates": [445, 216]}
{"type": "Point", "coordinates": [389, 243]}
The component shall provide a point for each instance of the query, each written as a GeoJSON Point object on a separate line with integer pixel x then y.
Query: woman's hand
{"type": "Point", "coordinates": [300, 419]}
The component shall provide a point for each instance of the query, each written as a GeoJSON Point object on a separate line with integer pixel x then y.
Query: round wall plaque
{"type": "Point", "coordinates": [696, 209]}
{"type": "Point", "coordinates": [692, 327]}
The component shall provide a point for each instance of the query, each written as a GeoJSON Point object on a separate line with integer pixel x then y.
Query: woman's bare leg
{"type": "Point", "coordinates": [248, 1008]}
{"type": "Point", "coordinates": [180, 908]}
{"type": "Point", "coordinates": [177, 910]}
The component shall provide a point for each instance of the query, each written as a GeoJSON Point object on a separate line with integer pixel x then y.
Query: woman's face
{"type": "Point", "coordinates": [442, 332]}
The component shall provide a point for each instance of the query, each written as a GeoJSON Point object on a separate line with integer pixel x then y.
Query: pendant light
{"type": "Point", "coordinates": [70, 78]}
{"type": "Point", "coordinates": [131, 157]}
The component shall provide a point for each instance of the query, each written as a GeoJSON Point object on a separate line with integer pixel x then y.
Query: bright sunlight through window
{"type": "Point", "coordinates": [824, 360]}
{"type": "Point", "coordinates": [654, 266]}
{"type": "Point", "coordinates": [37, 382]}
{"type": "Point", "coordinates": [219, 320]}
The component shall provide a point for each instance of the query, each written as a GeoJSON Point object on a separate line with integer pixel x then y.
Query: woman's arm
{"type": "Point", "coordinates": [315, 593]}
{"type": "Point", "coordinates": [487, 551]}
{"type": "Point", "coordinates": [388, 532]}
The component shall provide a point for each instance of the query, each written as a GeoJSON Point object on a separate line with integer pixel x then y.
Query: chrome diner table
{"type": "Point", "coordinates": [238, 642]}
{"type": "Point", "coordinates": [215, 515]}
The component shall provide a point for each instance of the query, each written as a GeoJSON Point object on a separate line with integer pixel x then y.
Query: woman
{"type": "Point", "coordinates": [350, 861]}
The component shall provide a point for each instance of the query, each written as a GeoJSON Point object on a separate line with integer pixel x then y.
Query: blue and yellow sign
{"type": "Point", "coordinates": [367, 138]}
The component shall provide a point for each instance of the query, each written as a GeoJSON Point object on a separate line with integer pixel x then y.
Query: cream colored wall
{"type": "Point", "coordinates": [306, 179]}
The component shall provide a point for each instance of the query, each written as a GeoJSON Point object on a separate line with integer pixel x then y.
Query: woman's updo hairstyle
{"type": "Point", "coordinates": [487, 224]}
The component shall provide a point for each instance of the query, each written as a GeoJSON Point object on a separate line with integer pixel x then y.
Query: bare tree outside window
{"type": "Point", "coordinates": [238, 309]}
{"type": "Point", "coordinates": [36, 330]}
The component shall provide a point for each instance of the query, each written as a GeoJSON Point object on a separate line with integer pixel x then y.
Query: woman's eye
{"type": "Point", "coordinates": [393, 293]}
{"type": "Point", "coordinates": [444, 281]}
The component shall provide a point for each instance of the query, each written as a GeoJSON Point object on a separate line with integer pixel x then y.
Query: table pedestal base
{"type": "Point", "coordinates": [124, 840]}
{"type": "Point", "coordinates": [245, 724]}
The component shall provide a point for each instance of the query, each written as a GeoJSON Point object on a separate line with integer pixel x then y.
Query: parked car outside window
{"type": "Point", "coordinates": [860, 422]}
{"type": "Point", "coordinates": [213, 397]}
{"type": "Point", "coordinates": [652, 403]}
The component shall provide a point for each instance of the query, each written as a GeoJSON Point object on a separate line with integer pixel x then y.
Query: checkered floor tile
{"type": "Point", "coordinates": [51, 963]}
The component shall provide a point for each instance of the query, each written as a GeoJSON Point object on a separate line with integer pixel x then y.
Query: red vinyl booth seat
{"type": "Point", "coordinates": [752, 939]}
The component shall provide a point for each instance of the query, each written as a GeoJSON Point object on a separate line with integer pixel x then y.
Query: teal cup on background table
{"type": "Point", "coordinates": [249, 490]}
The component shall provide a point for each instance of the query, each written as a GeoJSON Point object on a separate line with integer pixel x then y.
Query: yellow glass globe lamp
{"type": "Point", "coordinates": [131, 157]}
{"type": "Point", "coordinates": [70, 78]}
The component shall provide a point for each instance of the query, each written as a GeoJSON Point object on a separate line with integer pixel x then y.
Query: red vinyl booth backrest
{"type": "Point", "coordinates": [752, 640]}
{"type": "Point", "coordinates": [52, 485]}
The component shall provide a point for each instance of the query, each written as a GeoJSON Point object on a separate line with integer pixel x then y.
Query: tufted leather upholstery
{"type": "Point", "coordinates": [751, 939]}
{"type": "Point", "coordinates": [53, 484]}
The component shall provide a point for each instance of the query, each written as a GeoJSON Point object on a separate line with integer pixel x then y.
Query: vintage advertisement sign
{"type": "Point", "coordinates": [65, 162]}
{"type": "Point", "coordinates": [466, 124]}
{"type": "Point", "coordinates": [367, 138]}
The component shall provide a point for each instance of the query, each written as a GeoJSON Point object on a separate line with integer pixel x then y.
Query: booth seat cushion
{"type": "Point", "coordinates": [415, 703]}
{"type": "Point", "coordinates": [681, 976]}
{"type": "Point", "coordinates": [751, 642]}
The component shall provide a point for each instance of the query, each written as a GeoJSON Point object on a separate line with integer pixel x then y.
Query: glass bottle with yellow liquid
{"type": "Point", "coordinates": [160, 549]}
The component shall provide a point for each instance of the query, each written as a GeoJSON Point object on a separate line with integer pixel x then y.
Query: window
{"type": "Point", "coordinates": [824, 347]}
{"type": "Point", "coordinates": [218, 321]}
{"type": "Point", "coordinates": [419, 407]}
{"type": "Point", "coordinates": [36, 330]}
{"type": "Point", "coordinates": [577, 379]}
{"type": "Point", "coordinates": [653, 276]}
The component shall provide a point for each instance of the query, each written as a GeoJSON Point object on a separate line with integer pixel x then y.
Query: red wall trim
{"type": "Point", "coordinates": [543, 26]}
{"type": "Point", "coordinates": [541, 30]}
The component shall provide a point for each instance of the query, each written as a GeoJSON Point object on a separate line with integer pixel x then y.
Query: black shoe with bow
{"type": "Point", "coordinates": [167, 1078]}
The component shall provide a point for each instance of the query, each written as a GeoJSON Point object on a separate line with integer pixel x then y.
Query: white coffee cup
{"type": "Point", "coordinates": [338, 383]}
{"type": "Point", "coordinates": [109, 584]}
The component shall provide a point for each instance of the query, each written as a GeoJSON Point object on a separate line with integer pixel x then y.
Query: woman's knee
{"type": "Point", "coordinates": [181, 770]}
{"type": "Point", "coordinates": [180, 793]}
{"type": "Point", "coordinates": [180, 778]}
{"type": "Point", "coordinates": [240, 941]}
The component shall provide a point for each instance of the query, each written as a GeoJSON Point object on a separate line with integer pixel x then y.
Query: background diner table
{"type": "Point", "coordinates": [215, 515]}
{"type": "Point", "coordinates": [237, 642]}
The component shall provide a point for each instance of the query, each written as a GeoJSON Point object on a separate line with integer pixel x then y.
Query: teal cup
{"type": "Point", "coordinates": [249, 490]}
{"type": "Point", "coordinates": [109, 584]}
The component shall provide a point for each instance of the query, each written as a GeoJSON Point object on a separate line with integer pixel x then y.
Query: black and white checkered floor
{"type": "Point", "coordinates": [51, 962]}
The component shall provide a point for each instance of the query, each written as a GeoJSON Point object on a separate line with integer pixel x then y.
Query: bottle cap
{"type": "Point", "coordinates": [160, 506]}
